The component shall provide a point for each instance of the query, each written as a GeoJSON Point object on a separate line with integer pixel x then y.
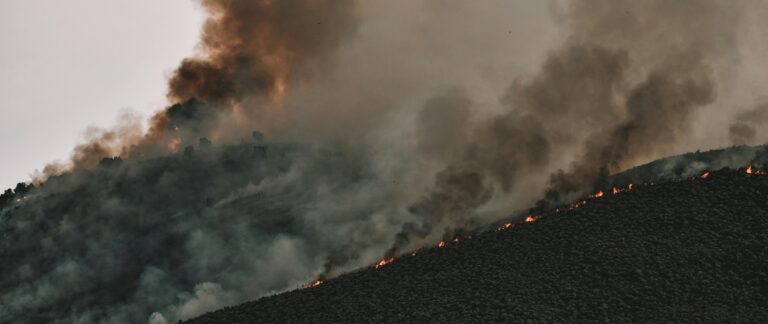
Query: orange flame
{"type": "Point", "coordinates": [441, 244]}
{"type": "Point", "coordinates": [706, 175]}
{"type": "Point", "coordinates": [384, 262]}
{"type": "Point", "coordinates": [455, 240]}
{"type": "Point", "coordinates": [505, 226]}
{"type": "Point", "coordinates": [531, 218]}
{"type": "Point", "coordinates": [630, 186]}
{"type": "Point", "coordinates": [752, 171]}
{"type": "Point", "coordinates": [615, 190]}
{"type": "Point", "coordinates": [598, 194]}
{"type": "Point", "coordinates": [314, 284]}
{"type": "Point", "coordinates": [578, 204]}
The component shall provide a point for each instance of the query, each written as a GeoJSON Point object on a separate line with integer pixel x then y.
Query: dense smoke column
{"type": "Point", "coordinates": [668, 80]}
{"type": "Point", "coordinates": [623, 88]}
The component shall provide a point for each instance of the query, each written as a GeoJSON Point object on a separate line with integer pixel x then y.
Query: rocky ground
{"type": "Point", "coordinates": [694, 250]}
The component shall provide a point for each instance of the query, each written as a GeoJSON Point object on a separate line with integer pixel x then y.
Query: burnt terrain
{"type": "Point", "coordinates": [688, 250]}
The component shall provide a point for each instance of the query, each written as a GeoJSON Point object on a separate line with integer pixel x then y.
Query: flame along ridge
{"type": "Point", "coordinates": [532, 218]}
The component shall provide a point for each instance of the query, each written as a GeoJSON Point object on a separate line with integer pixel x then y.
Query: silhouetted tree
{"type": "Point", "coordinates": [22, 188]}
{"type": "Point", "coordinates": [6, 198]}
{"type": "Point", "coordinates": [110, 162]}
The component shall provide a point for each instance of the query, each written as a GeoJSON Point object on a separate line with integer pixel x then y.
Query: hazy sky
{"type": "Point", "coordinates": [68, 65]}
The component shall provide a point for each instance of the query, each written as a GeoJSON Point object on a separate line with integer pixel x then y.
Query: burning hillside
{"type": "Point", "coordinates": [664, 252]}
{"type": "Point", "coordinates": [309, 138]}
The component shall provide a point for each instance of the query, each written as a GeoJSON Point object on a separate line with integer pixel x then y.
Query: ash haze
{"type": "Point", "coordinates": [383, 127]}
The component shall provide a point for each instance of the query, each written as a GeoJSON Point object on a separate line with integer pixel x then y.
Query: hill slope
{"type": "Point", "coordinates": [692, 250]}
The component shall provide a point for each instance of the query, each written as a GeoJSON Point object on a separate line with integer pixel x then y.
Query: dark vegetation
{"type": "Point", "coordinates": [116, 242]}
{"type": "Point", "coordinates": [686, 250]}
{"type": "Point", "coordinates": [7, 197]}
{"type": "Point", "coordinates": [108, 225]}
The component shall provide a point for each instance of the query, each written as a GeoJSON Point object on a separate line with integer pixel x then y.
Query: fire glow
{"type": "Point", "coordinates": [533, 218]}
{"type": "Point", "coordinates": [505, 226]}
{"type": "Point", "coordinates": [752, 171]}
{"type": "Point", "coordinates": [313, 284]}
{"type": "Point", "coordinates": [384, 262]}
{"type": "Point", "coordinates": [577, 205]}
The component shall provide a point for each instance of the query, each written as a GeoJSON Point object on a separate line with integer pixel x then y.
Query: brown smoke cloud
{"type": "Point", "coordinates": [249, 53]}
{"type": "Point", "coordinates": [252, 47]}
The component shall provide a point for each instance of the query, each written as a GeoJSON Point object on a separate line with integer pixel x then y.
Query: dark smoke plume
{"type": "Point", "coordinates": [656, 113]}
{"type": "Point", "coordinates": [745, 127]}
{"type": "Point", "coordinates": [252, 47]}
{"type": "Point", "coordinates": [623, 89]}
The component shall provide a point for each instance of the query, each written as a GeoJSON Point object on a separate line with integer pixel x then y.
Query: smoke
{"type": "Point", "coordinates": [623, 88]}
{"type": "Point", "coordinates": [249, 52]}
{"type": "Point", "coordinates": [251, 47]}
{"type": "Point", "coordinates": [656, 113]}
{"type": "Point", "coordinates": [443, 124]}
{"type": "Point", "coordinates": [383, 127]}
{"type": "Point", "coordinates": [744, 129]}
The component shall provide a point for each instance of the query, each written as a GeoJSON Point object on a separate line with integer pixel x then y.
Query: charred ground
{"type": "Point", "coordinates": [691, 250]}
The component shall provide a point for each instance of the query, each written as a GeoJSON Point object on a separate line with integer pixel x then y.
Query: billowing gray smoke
{"type": "Point", "coordinates": [623, 88]}
{"type": "Point", "coordinates": [745, 127]}
{"type": "Point", "coordinates": [382, 127]}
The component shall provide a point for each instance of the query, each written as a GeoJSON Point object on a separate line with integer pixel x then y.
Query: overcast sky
{"type": "Point", "coordinates": [67, 65]}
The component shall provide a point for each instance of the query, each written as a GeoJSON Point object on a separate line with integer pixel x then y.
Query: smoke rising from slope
{"type": "Point", "coordinates": [384, 126]}
{"type": "Point", "coordinates": [249, 52]}
{"type": "Point", "coordinates": [744, 129]}
{"type": "Point", "coordinates": [623, 88]}
{"type": "Point", "coordinates": [673, 46]}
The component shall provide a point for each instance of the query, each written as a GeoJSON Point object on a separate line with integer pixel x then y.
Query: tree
{"type": "Point", "coordinates": [110, 162]}
{"type": "Point", "coordinates": [6, 198]}
{"type": "Point", "coordinates": [22, 188]}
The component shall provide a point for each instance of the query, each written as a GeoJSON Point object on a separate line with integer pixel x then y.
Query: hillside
{"type": "Point", "coordinates": [693, 250]}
